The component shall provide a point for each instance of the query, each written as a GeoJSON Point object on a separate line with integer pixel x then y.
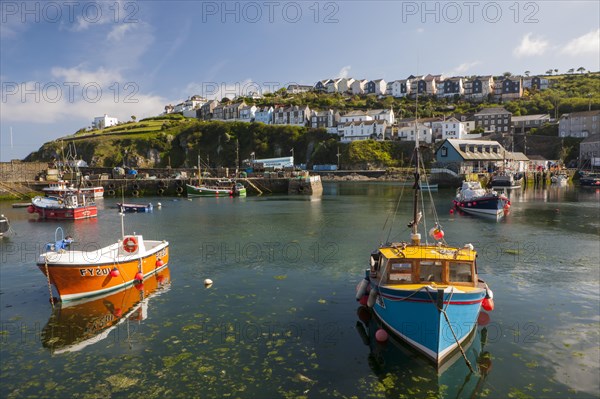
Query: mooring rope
{"type": "Point", "coordinates": [48, 279]}
{"type": "Point", "coordinates": [443, 311]}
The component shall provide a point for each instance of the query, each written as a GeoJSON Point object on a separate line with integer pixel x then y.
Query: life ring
{"type": "Point", "coordinates": [130, 244]}
{"type": "Point", "coordinates": [111, 185]}
{"type": "Point", "coordinates": [179, 190]}
{"type": "Point", "coordinates": [135, 193]}
{"type": "Point", "coordinates": [111, 193]}
{"type": "Point", "coordinates": [160, 191]}
{"type": "Point", "coordinates": [136, 186]}
{"type": "Point", "coordinates": [162, 184]}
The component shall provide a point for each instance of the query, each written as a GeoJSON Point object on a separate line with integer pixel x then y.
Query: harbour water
{"type": "Point", "coordinates": [281, 319]}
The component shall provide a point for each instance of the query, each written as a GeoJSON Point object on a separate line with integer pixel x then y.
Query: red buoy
{"type": "Point", "coordinates": [114, 272]}
{"type": "Point", "coordinates": [139, 286]}
{"type": "Point", "coordinates": [159, 262]}
{"type": "Point", "coordinates": [488, 304]}
{"type": "Point", "coordinates": [139, 276]}
{"type": "Point", "coordinates": [30, 209]}
{"type": "Point", "coordinates": [451, 211]}
{"type": "Point", "coordinates": [381, 335]}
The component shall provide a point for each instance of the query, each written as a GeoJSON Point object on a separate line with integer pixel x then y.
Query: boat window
{"type": "Point", "coordinates": [430, 271]}
{"type": "Point", "coordinates": [400, 271]}
{"type": "Point", "coordinates": [460, 272]}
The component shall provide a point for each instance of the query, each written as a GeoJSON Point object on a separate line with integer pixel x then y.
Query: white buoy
{"type": "Point", "coordinates": [372, 298]}
{"type": "Point", "coordinates": [362, 288]}
{"type": "Point", "coordinates": [208, 282]}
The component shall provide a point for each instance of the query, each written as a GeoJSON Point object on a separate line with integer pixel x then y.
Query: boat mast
{"type": "Point", "coordinates": [415, 237]}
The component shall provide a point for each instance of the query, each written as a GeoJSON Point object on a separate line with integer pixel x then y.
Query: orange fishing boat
{"type": "Point", "coordinates": [76, 324]}
{"type": "Point", "coordinates": [81, 274]}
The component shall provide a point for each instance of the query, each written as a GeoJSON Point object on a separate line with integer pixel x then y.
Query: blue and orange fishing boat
{"type": "Point", "coordinates": [428, 294]}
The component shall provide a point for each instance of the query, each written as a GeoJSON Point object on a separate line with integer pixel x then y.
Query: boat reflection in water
{"type": "Point", "coordinates": [402, 370]}
{"type": "Point", "coordinates": [76, 324]}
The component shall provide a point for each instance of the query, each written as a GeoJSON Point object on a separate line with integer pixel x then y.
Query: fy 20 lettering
{"type": "Point", "coordinates": [94, 272]}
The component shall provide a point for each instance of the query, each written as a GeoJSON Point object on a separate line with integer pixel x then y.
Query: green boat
{"type": "Point", "coordinates": [221, 189]}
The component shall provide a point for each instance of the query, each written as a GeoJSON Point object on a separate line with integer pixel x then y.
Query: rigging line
{"type": "Point", "coordinates": [394, 214]}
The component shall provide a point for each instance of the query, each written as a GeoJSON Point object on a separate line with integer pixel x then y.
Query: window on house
{"type": "Point", "coordinates": [444, 152]}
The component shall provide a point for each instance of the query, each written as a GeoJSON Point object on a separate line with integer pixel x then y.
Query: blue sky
{"type": "Point", "coordinates": [64, 63]}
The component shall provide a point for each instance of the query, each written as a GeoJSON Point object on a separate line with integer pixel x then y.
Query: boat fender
{"type": "Point", "coordinates": [361, 289]}
{"type": "Point", "coordinates": [136, 186]}
{"type": "Point", "coordinates": [160, 191]}
{"type": "Point", "coordinates": [381, 335]}
{"type": "Point", "coordinates": [135, 193]}
{"type": "Point", "coordinates": [130, 245]}
{"type": "Point", "coordinates": [372, 298]}
{"type": "Point", "coordinates": [488, 293]}
{"type": "Point", "coordinates": [159, 262]}
{"type": "Point", "coordinates": [179, 190]}
{"type": "Point", "coordinates": [139, 276]}
{"type": "Point", "coordinates": [111, 192]}
{"type": "Point", "coordinates": [30, 209]}
{"type": "Point", "coordinates": [488, 304]}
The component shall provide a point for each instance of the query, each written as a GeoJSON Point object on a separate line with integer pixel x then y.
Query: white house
{"type": "Point", "coordinates": [373, 114]}
{"type": "Point", "coordinates": [358, 86]}
{"type": "Point", "coordinates": [345, 85]}
{"type": "Point", "coordinates": [362, 130]}
{"type": "Point", "coordinates": [103, 122]}
{"type": "Point", "coordinates": [401, 88]}
{"type": "Point", "coordinates": [377, 86]}
{"type": "Point", "coordinates": [248, 113]}
{"type": "Point", "coordinates": [333, 85]}
{"type": "Point", "coordinates": [407, 133]}
{"type": "Point", "coordinates": [264, 115]}
{"type": "Point", "coordinates": [453, 129]}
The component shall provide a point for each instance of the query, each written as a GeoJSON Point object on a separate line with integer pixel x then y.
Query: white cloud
{"type": "Point", "coordinates": [118, 32]}
{"type": "Point", "coordinates": [101, 76]}
{"type": "Point", "coordinates": [588, 43]}
{"type": "Point", "coordinates": [343, 73]}
{"type": "Point", "coordinates": [462, 68]}
{"type": "Point", "coordinates": [531, 46]}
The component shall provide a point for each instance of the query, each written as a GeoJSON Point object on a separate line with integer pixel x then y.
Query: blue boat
{"type": "Point", "coordinates": [427, 294]}
{"type": "Point", "coordinates": [140, 208]}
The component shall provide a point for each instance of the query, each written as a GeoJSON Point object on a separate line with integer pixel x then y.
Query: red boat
{"type": "Point", "coordinates": [67, 207]}
{"type": "Point", "coordinates": [62, 187]}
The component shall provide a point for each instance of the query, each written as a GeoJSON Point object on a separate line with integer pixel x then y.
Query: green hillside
{"type": "Point", "coordinates": [172, 140]}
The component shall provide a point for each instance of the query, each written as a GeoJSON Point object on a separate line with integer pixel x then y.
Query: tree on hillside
{"type": "Point", "coordinates": [581, 69]}
{"type": "Point", "coordinates": [571, 70]}
{"type": "Point", "coordinates": [133, 118]}
{"type": "Point", "coordinates": [549, 72]}
{"type": "Point", "coordinates": [507, 74]}
{"type": "Point", "coordinates": [556, 71]}
{"type": "Point", "coordinates": [527, 73]}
